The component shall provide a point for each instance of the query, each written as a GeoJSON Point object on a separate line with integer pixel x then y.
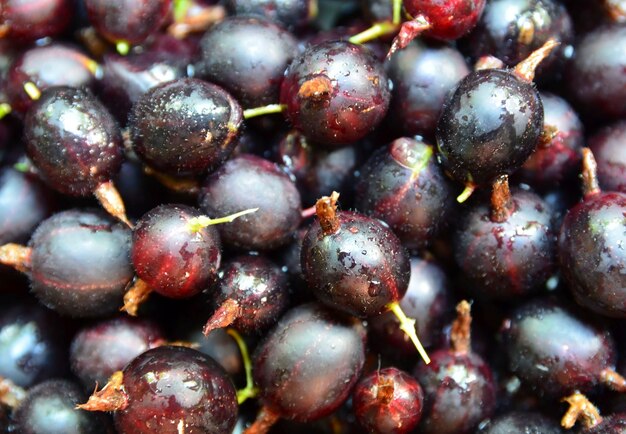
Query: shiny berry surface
{"type": "Point", "coordinates": [310, 345]}
{"type": "Point", "coordinates": [459, 392]}
{"type": "Point", "coordinates": [98, 350]}
{"type": "Point", "coordinates": [591, 253]}
{"type": "Point", "coordinates": [258, 286]}
{"type": "Point", "coordinates": [288, 13]}
{"type": "Point", "coordinates": [170, 257]}
{"type": "Point", "coordinates": [555, 161]}
{"type": "Point", "coordinates": [256, 48]}
{"type": "Point", "coordinates": [449, 19]}
{"type": "Point", "coordinates": [358, 269]}
{"type": "Point", "coordinates": [402, 185]}
{"type": "Point", "coordinates": [174, 389]}
{"type": "Point", "coordinates": [80, 263]}
{"type": "Point", "coordinates": [131, 21]}
{"type": "Point", "coordinates": [512, 258]}
{"type": "Point", "coordinates": [522, 422]}
{"type": "Point", "coordinates": [33, 345]}
{"type": "Point", "coordinates": [49, 407]}
{"type": "Point", "coordinates": [610, 153]}
{"type": "Point", "coordinates": [24, 203]}
{"type": "Point", "coordinates": [489, 126]}
{"type": "Point", "coordinates": [247, 182]}
{"type": "Point", "coordinates": [185, 126]}
{"type": "Point", "coordinates": [422, 75]}
{"type": "Point", "coordinates": [336, 92]}
{"type": "Point", "coordinates": [29, 20]}
{"type": "Point", "coordinates": [73, 140]}
{"type": "Point", "coordinates": [428, 300]}
{"type": "Point", "coordinates": [553, 350]}
{"type": "Point", "coordinates": [388, 401]}
{"type": "Point", "coordinates": [48, 66]}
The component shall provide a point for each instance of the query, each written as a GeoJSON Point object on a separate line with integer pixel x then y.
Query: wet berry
{"type": "Point", "coordinates": [608, 149]}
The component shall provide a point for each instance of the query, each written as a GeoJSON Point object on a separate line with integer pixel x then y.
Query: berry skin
{"type": "Point", "coordinates": [335, 93]}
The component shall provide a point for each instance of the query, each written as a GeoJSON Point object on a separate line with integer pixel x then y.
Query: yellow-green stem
{"type": "Point", "coordinates": [397, 11]}
{"type": "Point", "coordinates": [197, 223]}
{"type": "Point", "coordinates": [122, 47]}
{"type": "Point", "coordinates": [180, 9]}
{"type": "Point", "coordinates": [376, 31]}
{"type": "Point", "coordinates": [265, 110]}
{"type": "Point", "coordinates": [5, 109]}
{"type": "Point", "coordinates": [466, 193]}
{"type": "Point", "coordinates": [249, 391]}
{"type": "Point", "coordinates": [407, 325]}
{"type": "Point", "coordinates": [32, 91]}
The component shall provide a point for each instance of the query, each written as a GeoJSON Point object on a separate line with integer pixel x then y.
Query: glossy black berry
{"type": "Point", "coordinates": [247, 56]}
{"type": "Point", "coordinates": [185, 127]}
{"type": "Point", "coordinates": [489, 126]}
{"type": "Point", "coordinates": [73, 140]}
{"type": "Point", "coordinates": [335, 92]}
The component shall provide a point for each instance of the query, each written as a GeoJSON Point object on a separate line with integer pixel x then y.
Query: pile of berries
{"type": "Point", "coordinates": [312, 216]}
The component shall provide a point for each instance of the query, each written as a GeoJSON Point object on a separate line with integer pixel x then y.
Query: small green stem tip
{"type": "Point", "coordinates": [5, 109]}
{"type": "Point", "coordinates": [466, 193]}
{"type": "Point", "coordinates": [407, 325]}
{"type": "Point", "coordinates": [180, 9]}
{"type": "Point", "coordinates": [376, 31]}
{"type": "Point", "coordinates": [122, 47]}
{"type": "Point", "coordinates": [198, 223]}
{"type": "Point", "coordinates": [397, 11]}
{"type": "Point", "coordinates": [265, 110]}
{"type": "Point", "coordinates": [249, 391]}
{"type": "Point", "coordinates": [32, 90]}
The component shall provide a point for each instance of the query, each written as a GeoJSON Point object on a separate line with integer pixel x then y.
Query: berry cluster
{"type": "Point", "coordinates": [312, 216]}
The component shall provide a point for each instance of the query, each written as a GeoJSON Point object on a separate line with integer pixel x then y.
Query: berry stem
{"type": "Point", "coordinates": [11, 394]}
{"type": "Point", "coordinates": [112, 397]}
{"type": "Point", "coordinates": [32, 90]}
{"type": "Point", "coordinates": [547, 136]}
{"type": "Point", "coordinates": [135, 296]}
{"type": "Point", "coordinates": [614, 380]}
{"type": "Point", "coordinates": [317, 89]}
{"type": "Point", "coordinates": [265, 110]}
{"type": "Point", "coordinates": [502, 205]}
{"type": "Point", "coordinates": [122, 47]}
{"type": "Point", "coordinates": [308, 212]}
{"type": "Point", "coordinates": [466, 193]}
{"type": "Point", "coordinates": [376, 31]}
{"type": "Point", "coordinates": [580, 408]}
{"type": "Point", "coordinates": [488, 62]}
{"type": "Point", "coordinates": [407, 325]}
{"type": "Point", "coordinates": [616, 10]}
{"type": "Point", "coordinates": [526, 69]}
{"type": "Point", "coordinates": [397, 12]}
{"type": "Point", "coordinates": [264, 421]}
{"type": "Point", "coordinates": [420, 162]}
{"type": "Point", "coordinates": [199, 20]}
{"type": "Point", "coordinates": [112, 202]}
{"type": "Point", "coordinates": [461, 333]}
{"type": "Point", "coordinates": [590, 174]}
{"type": "Point", "coordinates": [408, 31]}
{"type": "Point", "coordinates": [224, 316]}
{"type": "Point", "coordinates": [198, 223]}
{"type": "Point", "coordinates": [5, 109]}
{"type": "Point", "coordinates": [16, 256]}
{"type": "Point", "coordinates": [180, 9]}
{"type": "Point", "coordinates": [249, 391]}
{"type": "Point", "coordinates": [326, 210]}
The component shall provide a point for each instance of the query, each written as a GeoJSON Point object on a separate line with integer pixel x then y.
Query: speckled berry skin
{"type": "Point", "coordinates": [310, 345]}
{"type": "Point", "coordinates": [510, 259]}
{"type": "Point", "coordinates": [359, 269]}
{"type": "Point", "coordinates": [173, 387]}
{"type": "Point", "coordinates": [460, 378]}
{"type": "Point", "coordinates": [610, 153]}
{"type": "Point", "coordinates": [592, 256]}
{"type": "Point", "coordinates": [30, 20]}
{"type": "Point", "coordinates": [185, 126]}
{"type": "Point", "coordinates": [355, 100]}
{"type": "Point", "coordinates": [554, 351]}
{"type": "Point", "coordinates": [127, 20]}
{"type": "Point", "coordinates": [288, 13]}
{"type": "Point", "coordinates": [489, 126]}
{"type": "Point", "coordinates": [73, 140]}
{"type": "Point", "coordinates": [80, 263]}
{"type": "Point", "coordinates": [255, 48]}
{"type": "Point", "coordinates": [403, 185]}
{"type": "Point", "coordinates": [171, 258]}
{"type": "Point", "coordinates": [388, 401]}
{"type": "Point", "coordinates": [527, 422]}
{"type": "Point", "coordinates": [449, 19]}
